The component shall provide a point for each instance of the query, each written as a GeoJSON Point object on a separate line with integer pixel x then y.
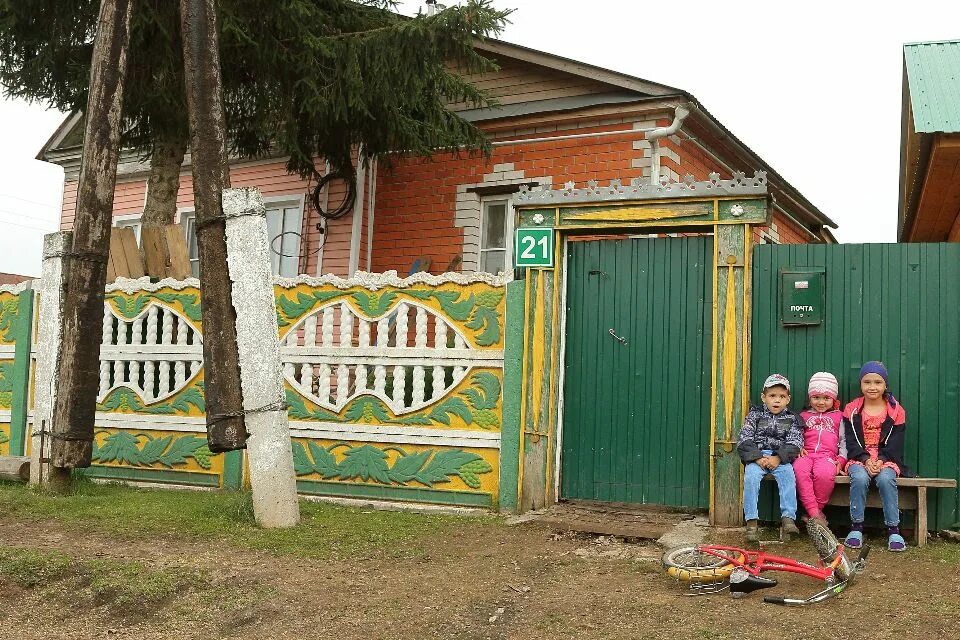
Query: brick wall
{"type": "Point", "coordinates": [417, 213]}
{"type": "Point", "coordinates": [429, 208]}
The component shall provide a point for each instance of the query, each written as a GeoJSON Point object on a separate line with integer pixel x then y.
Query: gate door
{"type": "Point", "coordinates": [636, 423]}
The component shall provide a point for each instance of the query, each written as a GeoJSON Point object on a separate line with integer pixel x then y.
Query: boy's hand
{"type": "Point", "coordinates": [763, 461]}
{"type": "Point", "coordinates": [773, 462]}
{"type": "Point", "coordinates": [803, 452]}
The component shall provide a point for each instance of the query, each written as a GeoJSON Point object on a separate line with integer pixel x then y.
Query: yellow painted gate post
{"type": "Point", "coordinates": [728, 209]}
{"type": "Point", "coordinates": [731, 364]}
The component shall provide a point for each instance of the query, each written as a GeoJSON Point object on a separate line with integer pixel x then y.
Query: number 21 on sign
{"type": "Point", "coordinates": [533, 248]}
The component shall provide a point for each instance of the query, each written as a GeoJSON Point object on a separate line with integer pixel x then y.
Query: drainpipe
{"type": "Point", "coordinates": [679, 113]}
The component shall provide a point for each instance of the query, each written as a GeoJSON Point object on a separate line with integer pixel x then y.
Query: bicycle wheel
{"type": "Point", "coordinates": [691, 564]}
{"type": "Point", "coordinates": [827, 547]}
{"type": "Point", "coordinates": [823, 539]}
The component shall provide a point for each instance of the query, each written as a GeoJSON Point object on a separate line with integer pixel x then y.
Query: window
{"type": "Point", "coordinates": [495, 227]}
{"type": "Point", "coordinates": [130, 221]}
{"type": "Point", "coordinates": [284, 219]}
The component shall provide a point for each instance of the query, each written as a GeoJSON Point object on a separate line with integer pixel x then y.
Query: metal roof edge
{"type": "Point", "coordinates": [914, 44]}
{"type": "Point", "coordinates": [778, 182]}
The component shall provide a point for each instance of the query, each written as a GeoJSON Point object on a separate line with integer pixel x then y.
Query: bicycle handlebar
{"type": "Point", "coordinates": [774, 599]}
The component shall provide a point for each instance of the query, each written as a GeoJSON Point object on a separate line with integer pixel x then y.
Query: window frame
{"type": "Point", "coordinates": [270, 202]}
{"type": "Point", "coordinates": [508, 216]}
{"type": "Point", "coordinates": [133, 220]}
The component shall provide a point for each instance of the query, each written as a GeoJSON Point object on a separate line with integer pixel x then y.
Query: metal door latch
{"type": "Point", "coordinates": [622, 341]}
{"type": "Point", "coordinates": [597, 272]}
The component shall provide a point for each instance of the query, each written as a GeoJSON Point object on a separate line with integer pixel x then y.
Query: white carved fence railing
{"type": "Point", "coordinates": [155, 354]}
{"type": "Point", "coordinates": [395, 357]}
{"type": "Point", "coordinates": [395, 386]}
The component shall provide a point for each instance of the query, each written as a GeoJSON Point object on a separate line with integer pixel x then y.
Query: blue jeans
{"type": "Point", "coordinates": [886, 482]}
{"type": "Point", "coordinates": [786, 482]}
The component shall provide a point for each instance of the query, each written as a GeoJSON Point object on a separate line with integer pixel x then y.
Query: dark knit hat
{"type": "Point", "coordinates": [877, 367]}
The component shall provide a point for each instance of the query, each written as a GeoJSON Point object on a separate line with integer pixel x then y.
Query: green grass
{"type": "Point", "coordinates": [132, 583]}
{"type": "Point", "coordinates": [326, 531]}
{"type": "Point", "coordinates": [121, 584]}
{"type": "Point", "coordinates": [944, 552]}
{"type": "Point", "coordinates": [29, 568]}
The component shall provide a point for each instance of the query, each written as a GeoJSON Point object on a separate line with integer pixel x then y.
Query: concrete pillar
{"type": "Point", "coordinates": [51, 290]}
{"type": "Point", "coordinates": [269, 452]}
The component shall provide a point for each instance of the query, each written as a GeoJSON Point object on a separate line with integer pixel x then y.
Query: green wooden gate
{"type": "Point", "coordinates": [892, 302]}
{"type": "Point", "coordinates": [636, 413]}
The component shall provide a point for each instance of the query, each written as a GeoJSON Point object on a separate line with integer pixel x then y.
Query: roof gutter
{"type": "Point", "coordinates": [680, 112]}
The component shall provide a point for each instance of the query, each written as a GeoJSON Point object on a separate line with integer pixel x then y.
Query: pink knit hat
{"type": "Point", "coordinates": [823, 384]}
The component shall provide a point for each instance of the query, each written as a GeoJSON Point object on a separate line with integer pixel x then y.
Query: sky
{"type": "Point", "coordinates": [814, 88]}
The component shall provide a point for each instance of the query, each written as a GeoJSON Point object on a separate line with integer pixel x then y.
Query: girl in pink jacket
{"type": "Point", "coordinates": [824, 452]}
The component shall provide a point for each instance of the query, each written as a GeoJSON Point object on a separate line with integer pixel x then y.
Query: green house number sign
{"type": "Point", "coordinates": [533, 248]}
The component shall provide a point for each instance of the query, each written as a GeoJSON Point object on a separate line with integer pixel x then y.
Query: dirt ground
{"type": "Point", "coordinates": [478, 579]}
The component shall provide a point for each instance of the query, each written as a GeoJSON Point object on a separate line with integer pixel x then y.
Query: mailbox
{"type": "Point", "coordinates": [802, 296]}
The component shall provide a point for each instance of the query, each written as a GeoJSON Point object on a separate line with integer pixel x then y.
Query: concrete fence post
{"type": "Point", "coordinates": [269, 449]}
{"type": "Point", "coordinates": [51, 290]}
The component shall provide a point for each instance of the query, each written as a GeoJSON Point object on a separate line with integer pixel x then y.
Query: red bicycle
{"type": "Point", "coordinates": [708, 569]}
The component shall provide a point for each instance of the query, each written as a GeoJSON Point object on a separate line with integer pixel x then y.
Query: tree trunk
{"type": "Point", "coordinates": [208, 151]}
{"type": "Point", "coordinates": [163, 183]}
{"type": "Point", "coordinates": [79, 371]}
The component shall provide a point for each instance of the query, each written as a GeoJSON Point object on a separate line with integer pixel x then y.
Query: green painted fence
{"type": "Point", "coordinates": [899, 303]}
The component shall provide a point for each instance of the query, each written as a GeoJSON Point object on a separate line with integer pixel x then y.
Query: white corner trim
{"type": "Point", "coordinates": [356, 227]}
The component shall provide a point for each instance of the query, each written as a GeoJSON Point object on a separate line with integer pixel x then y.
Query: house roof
{"type": "Point", "coordinates": [13, 278]}
{"type": "Point", "coordinates": [622, 86]}
{"type": "Point", "coordinates": [933, 78]}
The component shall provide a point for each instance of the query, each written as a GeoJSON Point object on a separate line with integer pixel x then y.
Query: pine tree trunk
{"type": "Point", "coordinates": [78, 374]}
{"type": "Point", "coordinates": [208, 152]}
{"type": "Point", "coordinates": [163, 183]}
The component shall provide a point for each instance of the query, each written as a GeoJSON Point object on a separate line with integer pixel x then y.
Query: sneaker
{"type": "Point", "coordinates": [752, 531]}
{"type": "Point", "coordinates": [788, 528]}
{"type": "Point", "coordinates": [896, 543]}
{"type": "Point", "coordinates": [854, 539]}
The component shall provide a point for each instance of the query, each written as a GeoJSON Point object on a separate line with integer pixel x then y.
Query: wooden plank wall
{"type": "Point", "coordinates": [518, 81]}
{"type": "Point", "coordinates": [272, 179]}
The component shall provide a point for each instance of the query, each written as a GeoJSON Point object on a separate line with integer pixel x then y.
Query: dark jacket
{"type": "Point", "coordinates": [781, 433]}
{"type": "Point", "coordinates": [892, 434]}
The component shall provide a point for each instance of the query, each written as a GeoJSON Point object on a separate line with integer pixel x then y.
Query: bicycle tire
{"type": "Point", "coordinates": [690, 564]}
{"type": "Point", "coordinates": [827, 547]}
{"type": "Point", "coordinates": [823, 539]}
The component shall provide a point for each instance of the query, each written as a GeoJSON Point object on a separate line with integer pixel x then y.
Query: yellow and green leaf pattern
{"type": "Point", "coordinates": [396, 465]}
{"type": "Point", "coordinates": [476, 310]}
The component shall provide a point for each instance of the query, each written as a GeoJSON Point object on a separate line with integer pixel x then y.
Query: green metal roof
{"type": "Point", "coordinates": [933, 75]}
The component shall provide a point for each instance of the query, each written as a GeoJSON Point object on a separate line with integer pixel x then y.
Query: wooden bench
{"type": "Point", "coordinates": [913, 496]}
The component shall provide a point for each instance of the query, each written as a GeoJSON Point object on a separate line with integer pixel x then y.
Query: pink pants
{"type": "Point", "coordinates": [815, 479]}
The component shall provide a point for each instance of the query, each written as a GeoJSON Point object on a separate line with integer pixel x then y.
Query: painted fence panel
{"type": "Point", "coordinates": [150, 406]}
{"type": "Point", "coordinates": [891, 302]}
{"type": "Point", "coordinates": [394, 387]}
{"type": "Point", "coordinates": [16, 330]}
